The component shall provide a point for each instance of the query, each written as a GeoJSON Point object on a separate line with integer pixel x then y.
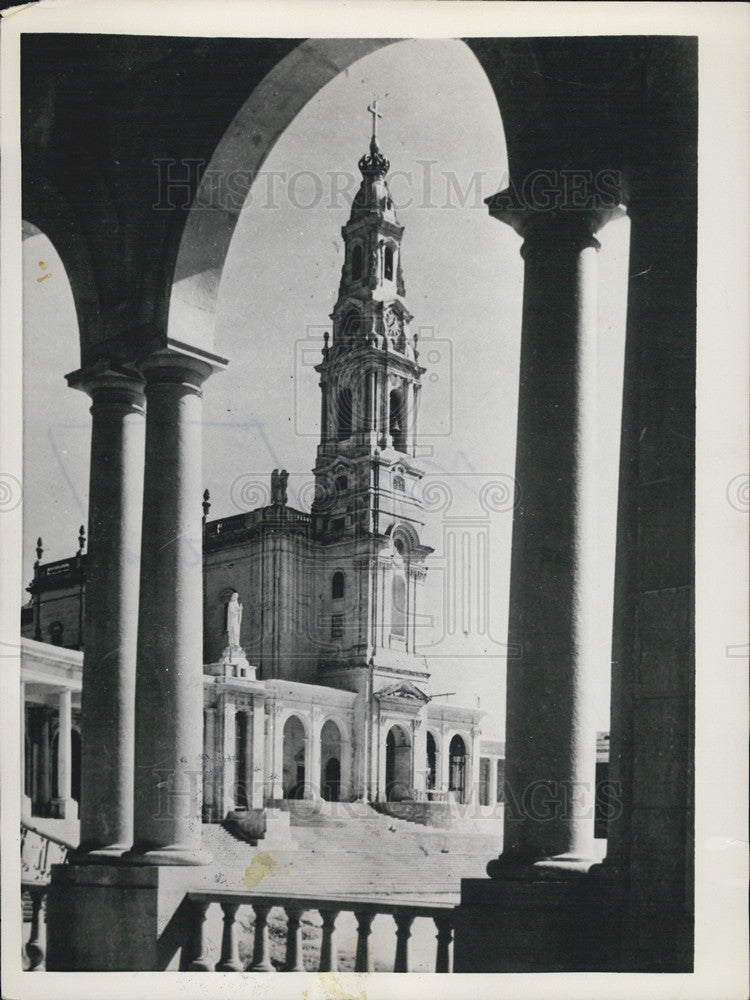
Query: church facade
{"type": "Point", "coordinates": [314, 686]}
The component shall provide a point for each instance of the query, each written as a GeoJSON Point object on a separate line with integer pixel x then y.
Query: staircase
{"type": "Point", "coordinates": [348, 848]}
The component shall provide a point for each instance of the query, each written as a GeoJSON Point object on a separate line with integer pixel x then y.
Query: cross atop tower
{"type": "Point", "coordinates": [373, 109]}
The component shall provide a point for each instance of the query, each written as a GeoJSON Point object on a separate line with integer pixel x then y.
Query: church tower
{"type": "Point", "coordinates": [367, 513]}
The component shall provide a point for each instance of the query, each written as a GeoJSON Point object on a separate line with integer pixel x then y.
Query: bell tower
{"type": "Point", "coordinates": [367, 512]}
{"type": "Point", "coordinates": [370, 376]}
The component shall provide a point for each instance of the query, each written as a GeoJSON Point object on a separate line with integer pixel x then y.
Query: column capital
{"type": "Point", "coordinates": [576, 224]}
{"type": "Point", "coordinates": [106, 383]}
{"type": "Point", "coordinates": [179, 365]}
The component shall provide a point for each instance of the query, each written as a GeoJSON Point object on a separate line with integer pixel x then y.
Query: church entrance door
{"type": "Point", "coordinates": [398, 784]}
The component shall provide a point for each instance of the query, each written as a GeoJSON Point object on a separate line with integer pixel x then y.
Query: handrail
{"type": "Point", "coordinates": [364, 908]}
{"type": "Point", "coordinates": [47, 836]}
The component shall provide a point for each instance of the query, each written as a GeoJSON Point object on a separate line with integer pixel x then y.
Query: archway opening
{"type": "Point", "coordinates": [398, 769]}
{"type": "Point", "coordinates": [344, 414]}
{"type": "Point", "coordinates": [241, 740]}
{"type": "Point", "coordinates": [397, 420]}
{"type": "Point", "coordinates": [457, 772]}
{"type": "Point", "coordinates": [293, 775]}
{"type": "Point", "coordinates": [431, 776]}
{"type": "Point", "coordinates": [330, 762]}
{"type": "Point", "coordinates": [75, 765]}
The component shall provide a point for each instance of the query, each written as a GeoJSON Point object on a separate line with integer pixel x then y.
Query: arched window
{"type": "Point", "coordinates": [396, 422]}
{"type": "Point", "coordinates": [337, 585]}
{"type": "Point", "coordinates": [388, 263]}
{"type": "Point", "coordinates": [344, 414]}
{"type": "Point", "coordinates": [351, 325]}
{"type": "Point", "coordinates": [342, 484]}
{"type": "Point", "coordinates": [398, 600]}
{"type": "Point", "coordinates": [357, 262]}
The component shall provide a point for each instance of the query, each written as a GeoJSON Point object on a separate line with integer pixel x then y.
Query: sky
{"type": "Point", "coordinates": [441, 130]}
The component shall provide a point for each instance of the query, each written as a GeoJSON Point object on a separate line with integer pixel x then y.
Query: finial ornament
{"type": "Point", "coordinates": [81, 539]}
{"type": "Point", "coordinates": [206, 503]}
{"type": "Point", "coordinates": [373, 109]}
{"type": "Point", "coordinates": [374, 164]}
{"type": "Point", "coordinates": [39, 550]}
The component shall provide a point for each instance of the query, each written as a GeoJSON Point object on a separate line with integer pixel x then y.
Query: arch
{"type": "Point", "coordinates": [398, 605]}
{"type": "Point", "coordinates": [397, 419]}
{"type": "Point", "coordinates": [294, 758]}
{"type": "Point", "coordinates": [388, 262]}
{"type": "Point", "coordinates": [243, 149]}
{"type": "Point", "coordinates": [357, 257]}
{"type": "Point", "coordinates": [398, 764]}
{"type": "Point", "coordinates": [240, 153]}
{"type": "Point", "coordinates": [47, 212]}
{"type": "Point", "coordinates": [330, 761]}
{"type": "Point", "coordinates": [338, 586]}
{"type": "Point", "coordinates": [350, 326]}
{"type": "Point", "coordinates": [344, 414]}
{"type": "Point", "coordinates": [457, 767]}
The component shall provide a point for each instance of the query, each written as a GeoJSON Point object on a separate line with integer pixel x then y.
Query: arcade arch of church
{"type": "Point", "coordinates": [160, 325]}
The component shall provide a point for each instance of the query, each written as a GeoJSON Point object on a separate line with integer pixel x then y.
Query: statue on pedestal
{"type": "Point", "coordinates": [278, 487]}
{"type": "Point", "coordinates": [233, 662]}
{"type": "Point", "coordinates": [234, 620]}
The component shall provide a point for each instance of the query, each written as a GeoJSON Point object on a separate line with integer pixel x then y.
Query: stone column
{"type": "Point", "coordinates": [550, 722]}
{"type": "Point", "coordinates": [444, 762]}
{"type": "Point", "coordinates": [312, 758]}
{"type": "Point", "coordinates": [169, 685]}
{"type": "Point", "coordinates": [66, 804]}
{"type": "Point", "coordinates": [25, 799]}
{"type": "Point", "coordinates": [323, 412]}
{"type": "Point", "coordinates": [228, 751]}
{"type": "Point", "coordinates": [492, 791]}
{"type": "Point", "coordinates": [210, 809]}
{"type": "Point", "coordinates": [419, 756]}
{"type": "Point", "coordinates": [112, 582]}
{"type": "Point", "coordinates": [45, 782]}
{"type": "Point", "coordinates": [259, 759]}
{"type": "Point", "coordinates": [372, 396]}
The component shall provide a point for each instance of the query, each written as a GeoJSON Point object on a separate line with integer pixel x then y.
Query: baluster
{"type": "Point", "coordinates": [35, 946]}
{"type": "Point", "coordinates": [364, 926]}
{"type": "Point", "coordinates": [261, 955]}
{"type": "Point", "coordinates": [444, 937]}
{"type": "Point", "coordinates": [328, 956]}
{"type": "Point", "coordinates": [200, 963]}
{"type": "Point", "coordinates": [230, 956]}
{"type": "Point", "coordinates": [294, 961]}
{"type": "Point", "coordinates": [404, 920]}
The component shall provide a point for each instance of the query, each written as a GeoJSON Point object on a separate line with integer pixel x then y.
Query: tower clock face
{"type": "Point", "coordinates": [391, 321]}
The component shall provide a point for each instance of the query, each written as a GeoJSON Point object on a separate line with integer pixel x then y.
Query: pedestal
{"type": "Point", "coordinates": [118, 918]}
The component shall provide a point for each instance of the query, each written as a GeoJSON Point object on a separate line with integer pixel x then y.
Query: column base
{"type": "Point", "coordinates": [171, 854]}
{"type": "Point", "coordinates": [97, 854]}
{"type": "Point", "coordinates": [559, 867]}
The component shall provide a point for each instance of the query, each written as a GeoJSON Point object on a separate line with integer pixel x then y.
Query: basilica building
{"type": "Point", "coordinates": [314, 686]}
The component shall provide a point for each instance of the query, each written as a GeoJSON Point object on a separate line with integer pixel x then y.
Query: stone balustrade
{"type": "Point", "coordinates": [365, 909]}
{"type": "Point", "coordinates": [35, 946]}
